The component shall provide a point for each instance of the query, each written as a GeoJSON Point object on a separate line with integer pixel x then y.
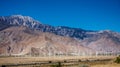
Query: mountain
{"type": "Point", "coordinates": [19, 20]}
{"type": "Point", "coordinates": [104, 41]}
{"type": "Point", "coordinates": [23, 35]}
{"type": "Point", "coordinates": [21, 40]}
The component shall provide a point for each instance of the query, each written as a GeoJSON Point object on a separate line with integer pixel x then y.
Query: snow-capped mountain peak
{"type": "Point", "coordinates": [20, 20]}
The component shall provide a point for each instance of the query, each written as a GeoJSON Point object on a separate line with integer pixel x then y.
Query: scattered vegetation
{"type": "Point", "coordinates": [60, 62]}
{"type": "Point", "coordinates": [117, 60]}
{"type": "Point", "coordinates": [3, 66]}
{"type": "Point", "coordinates": [50, 61]}
{"type": "Point", "coordinates": [57, 65]}
{"type": "Point", "coordinates": [83, 65]}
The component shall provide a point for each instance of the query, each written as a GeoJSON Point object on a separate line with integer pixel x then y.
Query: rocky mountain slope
{"type": "Point", "coordinates": [23, 35]}
{"type": "Point", "coordinates": [21, 40]}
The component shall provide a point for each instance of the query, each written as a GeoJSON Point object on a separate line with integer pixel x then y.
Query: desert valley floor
{"type": "Point", "coordinates": [64, 61]}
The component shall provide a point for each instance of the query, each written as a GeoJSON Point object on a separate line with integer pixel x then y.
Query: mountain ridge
{"type": "Point", "coordinates": [87, 40]}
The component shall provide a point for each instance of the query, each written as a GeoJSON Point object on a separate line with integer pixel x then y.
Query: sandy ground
{"type": "Point", "coordinates": [28, 60]}
{"type": "Point", "coordinates": [107, 65]}
{"type": "Point", "coordinates": [16, 60]}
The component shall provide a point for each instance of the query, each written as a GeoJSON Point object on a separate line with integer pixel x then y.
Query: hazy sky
{"type": "Point", "coordinates": [86, 14]}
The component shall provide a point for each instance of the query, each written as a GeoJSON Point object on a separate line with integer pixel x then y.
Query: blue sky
{"type": "Point", "coordinates": [86, 14]}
